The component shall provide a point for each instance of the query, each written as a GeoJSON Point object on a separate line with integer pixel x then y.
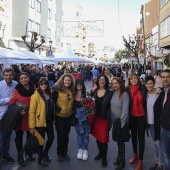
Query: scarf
{"type": "Point", "coordinates": [137, 108]}
{"type": "Point", "coordinates": [23, 91]}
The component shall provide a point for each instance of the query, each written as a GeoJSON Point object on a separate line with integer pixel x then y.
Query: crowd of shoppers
{"type": "Point", "coordinates": [56, 96]}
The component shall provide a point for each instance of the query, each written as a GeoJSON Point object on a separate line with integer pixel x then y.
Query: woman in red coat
{"type": "Point", "coordinates": [22, 92]}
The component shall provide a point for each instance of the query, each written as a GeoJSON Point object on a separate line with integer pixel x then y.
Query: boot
{"type": "Point", "coordinates": [139, 165]}
{"type": "Point", "coordinates": [116, 161]}
{"type": "Point", "coordinates": [134, 158]}
{"type": "Point", "coordinates": [45, 154]}
{"type": "Point", "coordinates": [42, 160]}
{"type": "Point", "coordinates": [120, 165]}
{"type": "Point", "coordinates": [99, 156]}
{"type": "Point", "coordinates": [21, 160]}
{"type": "Point", "coordinates": [104, 162]}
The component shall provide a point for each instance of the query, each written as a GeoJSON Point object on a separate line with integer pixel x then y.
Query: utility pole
{"type": "Point", "coordinates": [144, 47]}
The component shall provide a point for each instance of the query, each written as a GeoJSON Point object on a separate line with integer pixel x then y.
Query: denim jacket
{"type": "Point", "coordinates": [84, 125]}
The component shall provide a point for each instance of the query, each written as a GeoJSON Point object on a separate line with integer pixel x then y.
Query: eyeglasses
{"type": "Point", "coordinates": [165, 77]}
{"type": "Point", "coordinates": [43, 84]}
{"type": "Point", "coordinates": [102, 80]}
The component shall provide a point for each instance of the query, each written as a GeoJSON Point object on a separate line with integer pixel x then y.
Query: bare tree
{"type": "Point", "coordinates": [133, 46]}
{"type": "Point", "coordinates": [34, 37]}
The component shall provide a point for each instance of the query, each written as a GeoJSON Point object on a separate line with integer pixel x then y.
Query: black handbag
{"type": "Point", "coordinates": [31, 145]}
{"type": "Point", "coordinates": [23, 106]}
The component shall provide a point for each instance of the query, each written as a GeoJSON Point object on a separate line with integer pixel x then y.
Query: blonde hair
{"type": "Point", "coordinates": [131, 76]}
{"type": "Point", "coordinates": [59, 85]}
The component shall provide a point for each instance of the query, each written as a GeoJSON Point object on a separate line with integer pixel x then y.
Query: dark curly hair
{"type": "Point", "coordinates": [106, 81]}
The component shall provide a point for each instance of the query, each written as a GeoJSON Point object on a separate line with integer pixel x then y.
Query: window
{"type": "Point", "coordinates": [49, 34]}
{"type": "Point", "coordinates": [165, 28]}
{"type": "Point", "coordinates": [37, 28]}
{"type": "Point", "coordinates": [30, 25]}
{"type": "Point", "coordinates": [32, 3]}
{"type": "Point", "coordinates": [38, 6]}
{"type": "Point", "coordinates": [162, 3]}
{"type": "Point", "coordinates": [49, 14]}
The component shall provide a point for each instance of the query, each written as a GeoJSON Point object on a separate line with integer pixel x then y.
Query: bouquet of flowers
{"type": "Point", "coordinates": [89, 104]}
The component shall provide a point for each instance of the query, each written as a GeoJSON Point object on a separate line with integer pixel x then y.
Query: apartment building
{"type": "Point", "coordinates": [164, 24]}
{"type": "Point", "coordinates": [41, 16]}
{"type": "Point", "coordinates": [75, 30]}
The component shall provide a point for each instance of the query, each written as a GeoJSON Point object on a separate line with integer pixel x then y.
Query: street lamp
{"type": "Point", "coordinates": [2, 27]}
{"type": "Point", "coordinates": [50, 53]}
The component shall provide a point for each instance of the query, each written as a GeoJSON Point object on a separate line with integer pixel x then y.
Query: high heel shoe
{"type": "Point", "coordinates": [21, 160]}
{"type": "Point", "coordinates": [31, 157]}
{"type": "Point", "coordinates": [139, 165]}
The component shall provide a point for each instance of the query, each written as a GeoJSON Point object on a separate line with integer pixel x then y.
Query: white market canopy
{"type": "Point", "coordinates": [44, 60]}
{"type": "Point", "coordinates": [69, 56]}
{"type": "Point", "coordinates": [9, 57]}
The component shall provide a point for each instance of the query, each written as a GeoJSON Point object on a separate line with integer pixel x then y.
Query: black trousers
{"type": "Point", "coordinates": [50, 134]}
{"type": "Point", "coordinates": [19, 140]}
{"type": "Point", "coordinates": [102, 148]}
{"type": "Point", "coordinates": [63, 126]}
{"type": "Point", "coordinates": [138, 126]}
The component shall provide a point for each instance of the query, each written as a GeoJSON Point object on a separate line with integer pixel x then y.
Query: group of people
{"type": "Point", "coordinates": [129, 111]}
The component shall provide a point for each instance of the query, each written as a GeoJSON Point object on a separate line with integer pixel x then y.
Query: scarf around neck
{"type": "Point", "coordinates": [23, 91]}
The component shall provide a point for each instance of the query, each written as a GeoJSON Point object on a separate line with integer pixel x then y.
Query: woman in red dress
{"type": "Point", "coordinates": [22, 92]}
{"type": "Point", "coordinates": [100, 126]}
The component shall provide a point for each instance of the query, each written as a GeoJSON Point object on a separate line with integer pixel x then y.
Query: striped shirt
{"type": "Point", "coordinates": [5, 91]}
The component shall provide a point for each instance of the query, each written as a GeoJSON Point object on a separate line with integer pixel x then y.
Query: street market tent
{"type": "Point", "coordinates": [69, 56]}
{"type": "Point", "coordinates": [97, 61]}
{"type": "Point", "coordinates": [44, 60]}
{"type": "Point", "coordinates": [116, 62]}
{"type": "Point", "coordinates": [9, 57]}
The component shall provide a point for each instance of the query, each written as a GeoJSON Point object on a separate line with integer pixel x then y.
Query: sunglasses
{"type": "Point", "coordinates": [80, 84]}
{"type": "Point", "coordinates": [43, 84]}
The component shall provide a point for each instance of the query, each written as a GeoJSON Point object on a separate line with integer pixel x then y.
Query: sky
{"type": "Point", "coordinates": [121, 18]}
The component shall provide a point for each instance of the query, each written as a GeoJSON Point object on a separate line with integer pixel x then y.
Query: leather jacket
{"type": "Point", "coordinates": [104, 114]}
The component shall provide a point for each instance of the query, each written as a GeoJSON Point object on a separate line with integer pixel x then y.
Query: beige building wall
{"type": "Point", "coordinates": [164, 41]}
{"type": "Point", "coordinates": [151, 16]}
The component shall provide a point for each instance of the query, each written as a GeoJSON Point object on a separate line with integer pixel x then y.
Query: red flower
{"type": "Point", "coordinates": [89, 104]}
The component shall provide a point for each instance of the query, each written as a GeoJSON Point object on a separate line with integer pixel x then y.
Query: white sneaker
{"type": "Point", "coordinates": [80, 154]}
{"type": "Point", "coordinates": [85, 155]}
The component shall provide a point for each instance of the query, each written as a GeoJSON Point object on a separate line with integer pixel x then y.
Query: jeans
{"type": "Point", "coordinates": [82, 139]}
{"type": "Point", "coordinates": [165, 139]}
{"type": "Point", "coordinates": [1, 144]}
{"type": "Point", "coordinates": [84, 76]}
{"type": "Point", "coordinates": [6, 145]}
{"type": "Point", "coordinates": [158, 146]}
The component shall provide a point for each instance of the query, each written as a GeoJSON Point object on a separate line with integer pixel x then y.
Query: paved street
{"type": "Point", "coordinates": [79, 164]}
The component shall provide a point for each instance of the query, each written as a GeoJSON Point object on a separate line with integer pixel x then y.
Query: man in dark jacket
{"type": "Point", "coordinates": [165, 118]}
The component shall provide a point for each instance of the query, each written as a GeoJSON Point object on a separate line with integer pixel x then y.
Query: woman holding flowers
{"type": "Point", "coordinates": [100, 126]}
{"type": "Point", "coordinates": [82, 125]}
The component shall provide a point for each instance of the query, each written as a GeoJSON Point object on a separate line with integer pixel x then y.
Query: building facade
{"type": "Point", "coordinates": [43, 17]}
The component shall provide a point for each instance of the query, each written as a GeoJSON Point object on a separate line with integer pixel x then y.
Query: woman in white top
{"type": "Point", "coordinates": [158, 81]}
{"type": "Point", "coordinates": [153, 110]}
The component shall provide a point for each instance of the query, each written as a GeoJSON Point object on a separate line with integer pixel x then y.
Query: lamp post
{"type": "Point", "coordinates": [50, 53]}
{"type": "Point", "coordinates": [2, 28]}
{"type": "Point", "coordinates": [132, 44]}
